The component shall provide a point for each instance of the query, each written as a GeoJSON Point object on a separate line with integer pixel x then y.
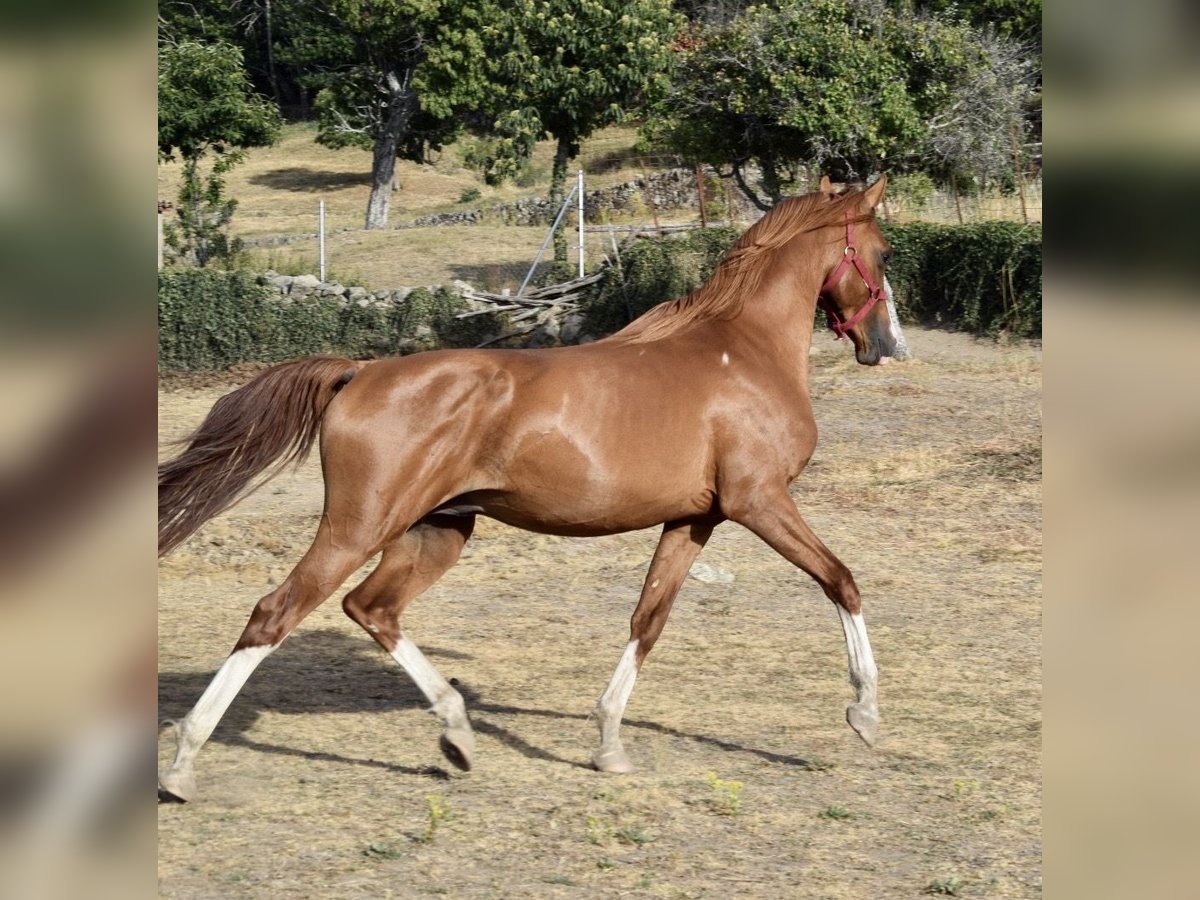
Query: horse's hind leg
{"type": "Point", "coordinates": [325, 566]}
{"type": "Point", "coordinates": [680, 544]}
{"type": "Point", "coordinates": [410, 565]}
{"type": "Point", "coordinates": [776, 520]}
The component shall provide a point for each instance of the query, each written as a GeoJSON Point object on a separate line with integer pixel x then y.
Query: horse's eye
{"type": "Point", "coordinates": [885, 256]}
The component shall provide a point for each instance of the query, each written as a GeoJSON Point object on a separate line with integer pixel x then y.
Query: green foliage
{"type": "Point", "coordinates": [439, 811]}
{"type": "Point", "coordinates": [207, 108]}
{"type": "Point", "coordinates": [984, 278]}
{"type": "Point", "coordinates": [651, 272]}
{"type": "Point", "coordinates": [567, 67]}
{"type": "Point", "coordinates": [727, 795]}
{"type": "Point", "coordinates": [949, 887]}
{"type": "Point", "coordinates": [397, 77]}
{"type": "Point", "coordinates": [210, 319]}
{"type": "Point", "coordinates": [835, 812]}
{"type": "Point", "coordinates": [382, 850]}
{"type": "Point", "coordinates": [206, 102]}
{"type": "Point", "coordinates": [820, 85]}
{"type": "Point", "coordinates": [914, 188]}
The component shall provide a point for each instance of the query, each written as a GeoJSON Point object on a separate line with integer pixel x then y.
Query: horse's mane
{"type": "Point", "coordinates": [739, 274]}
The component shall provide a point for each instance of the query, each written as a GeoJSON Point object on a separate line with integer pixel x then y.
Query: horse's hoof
{"type": "Point", "coordinates": [176, 787]}
{"type": "Point", "coordinates": [613, 761]}
{"type": "Point", "coordinates": [865, 721]}
{"type": "Point", "coordinates": [458, 746]}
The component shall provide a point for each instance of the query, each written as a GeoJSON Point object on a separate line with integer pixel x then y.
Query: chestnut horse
{"type": "Point", "coordinates": [695, 413]}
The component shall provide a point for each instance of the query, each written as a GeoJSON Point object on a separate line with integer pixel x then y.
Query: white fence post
{"type": "Point", "coordinates": [321, 235]}
{"type": "Point", "coordinates": [579, 189]}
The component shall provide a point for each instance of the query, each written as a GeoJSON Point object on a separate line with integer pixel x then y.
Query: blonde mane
{"type": "Point", "coordinates": [739, 275]}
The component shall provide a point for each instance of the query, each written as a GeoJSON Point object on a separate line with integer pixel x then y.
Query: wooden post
{"type": "Point", "coordinates": [1018, 169]}
{"type": "Point", "coordinates": [648, 194]}
{"type": "Point", "coordinates": [957, 202]}
{"type": "Point", "coordinates": [700, 194]}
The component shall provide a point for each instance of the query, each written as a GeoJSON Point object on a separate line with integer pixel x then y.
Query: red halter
{"type": "Point", "coordinates": [849, 258]}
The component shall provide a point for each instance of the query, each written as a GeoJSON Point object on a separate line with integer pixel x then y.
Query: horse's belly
{"type": "Point", "coordinates": [569, 513]}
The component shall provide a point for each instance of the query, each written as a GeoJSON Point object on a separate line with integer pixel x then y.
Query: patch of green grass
{"type": "Point", "coordinates": [949, 887]}
{"type": "Point", "coordinates": [439, 811]}
{"type": "Point", "coordinates": [605, 863]}
{"type": "Point", "coordinates": [727, 795]}
{"type": "Point", "coordinates": [558, 878]}
{"type": "Point", "coordinates": [599, 831]}
{"type": "Point", "coordinates": [835, 812]}
{"type": "Point", "coordinates": [380, 850]}
{"type": "Point", "coordinates": [633, 834]}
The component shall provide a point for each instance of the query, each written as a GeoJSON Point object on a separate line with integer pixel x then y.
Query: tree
{"type": "Point", "coordinates": [564, 68]}
{"type": "Point", "coordinates": [206, 107]}
{"type": "Point", "coordinates": [395, 77]}
{"type": "Point", "coordinates": [843, 86]}
{"type": "Point", "coordinates": [262, 28]}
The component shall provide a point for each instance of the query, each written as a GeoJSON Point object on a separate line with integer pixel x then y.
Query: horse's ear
{"type": "Point", "coordinates": [826, 186]}
{"type": "Point", "coordinates": [873, 194]}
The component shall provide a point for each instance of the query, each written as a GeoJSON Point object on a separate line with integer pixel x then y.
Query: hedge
{"type": "Point", "coordinates": [984, 278]}
{"type": "Point", "coordinates": [209, 319]}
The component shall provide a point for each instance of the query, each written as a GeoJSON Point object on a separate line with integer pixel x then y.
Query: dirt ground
{"type": "Point", "coordinates": [325, 780]}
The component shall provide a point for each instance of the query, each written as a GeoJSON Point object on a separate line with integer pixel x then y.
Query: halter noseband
{"type": "Point", "coordinates": [849, 258]}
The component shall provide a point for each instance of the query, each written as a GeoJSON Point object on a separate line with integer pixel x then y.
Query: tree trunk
{"type": "Point", "coordinates": [271, 53]}
{"type": "Point", "coordinates": [771, 181]}
{"type": "Point", "coordinates": [401, 104]}
{"type": "Point", "coordinates": [747, 191]}
{"type": "Point", "coordinates": [558, 182]}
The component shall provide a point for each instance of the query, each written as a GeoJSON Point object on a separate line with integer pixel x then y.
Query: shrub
{"type": "Point", "coordinates": [984, 278]}
{"type": "Point", "coordinates": [651, 272]}
{"type": "Point", "coordinates": [209, 319]}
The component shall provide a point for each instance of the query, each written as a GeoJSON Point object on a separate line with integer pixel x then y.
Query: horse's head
{"type": "Point", "coordinates": [854, 295]}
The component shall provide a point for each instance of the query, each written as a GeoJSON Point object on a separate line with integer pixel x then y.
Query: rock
{"type": "Point", "coordinates": [304, 284]}
{"type": "Point", "coordinates": [359, 295]}
{"type": "Point", "coordinates": [570, 329]}
{"type": "Point", "coordinates": [711, 574]}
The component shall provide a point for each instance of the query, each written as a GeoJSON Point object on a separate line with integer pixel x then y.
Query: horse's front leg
{"type": "Point", "coordinates": [773, 516]}
{"type": "Point", "coordinates": [680, 544]}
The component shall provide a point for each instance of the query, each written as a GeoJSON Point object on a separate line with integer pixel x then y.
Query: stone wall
{"type": "Point", "coordinates": [662, 191]}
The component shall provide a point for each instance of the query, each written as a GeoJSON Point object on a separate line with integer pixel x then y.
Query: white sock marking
{"type": "Point", "coordinates": [196, 727]}
{"type": "Point", "coordinates": [611, 706]}
{"type": "Point", "coordinates": [863, 674]}
{"type": "Point", "coordinates": [443, 698]}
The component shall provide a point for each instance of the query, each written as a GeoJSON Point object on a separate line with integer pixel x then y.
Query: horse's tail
{"type": "Point", "coordinates": [272, 419]}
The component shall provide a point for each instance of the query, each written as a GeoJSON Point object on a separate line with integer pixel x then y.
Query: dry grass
{"type": "Point", "coordinates": [499, 257]}
{"type": "Point", "coordinates": [925, 483]}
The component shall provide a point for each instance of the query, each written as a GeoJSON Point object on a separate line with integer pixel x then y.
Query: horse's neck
{"type": "Point", "coordinates": [779, 317]}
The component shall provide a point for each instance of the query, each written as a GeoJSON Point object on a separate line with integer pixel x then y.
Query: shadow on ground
{"type": "Point", "coordinates": [326, 671]}
{"type": "Point", "coordinates": [494, 276]}
{"type": "Point", "coordinates": [305, 180]}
